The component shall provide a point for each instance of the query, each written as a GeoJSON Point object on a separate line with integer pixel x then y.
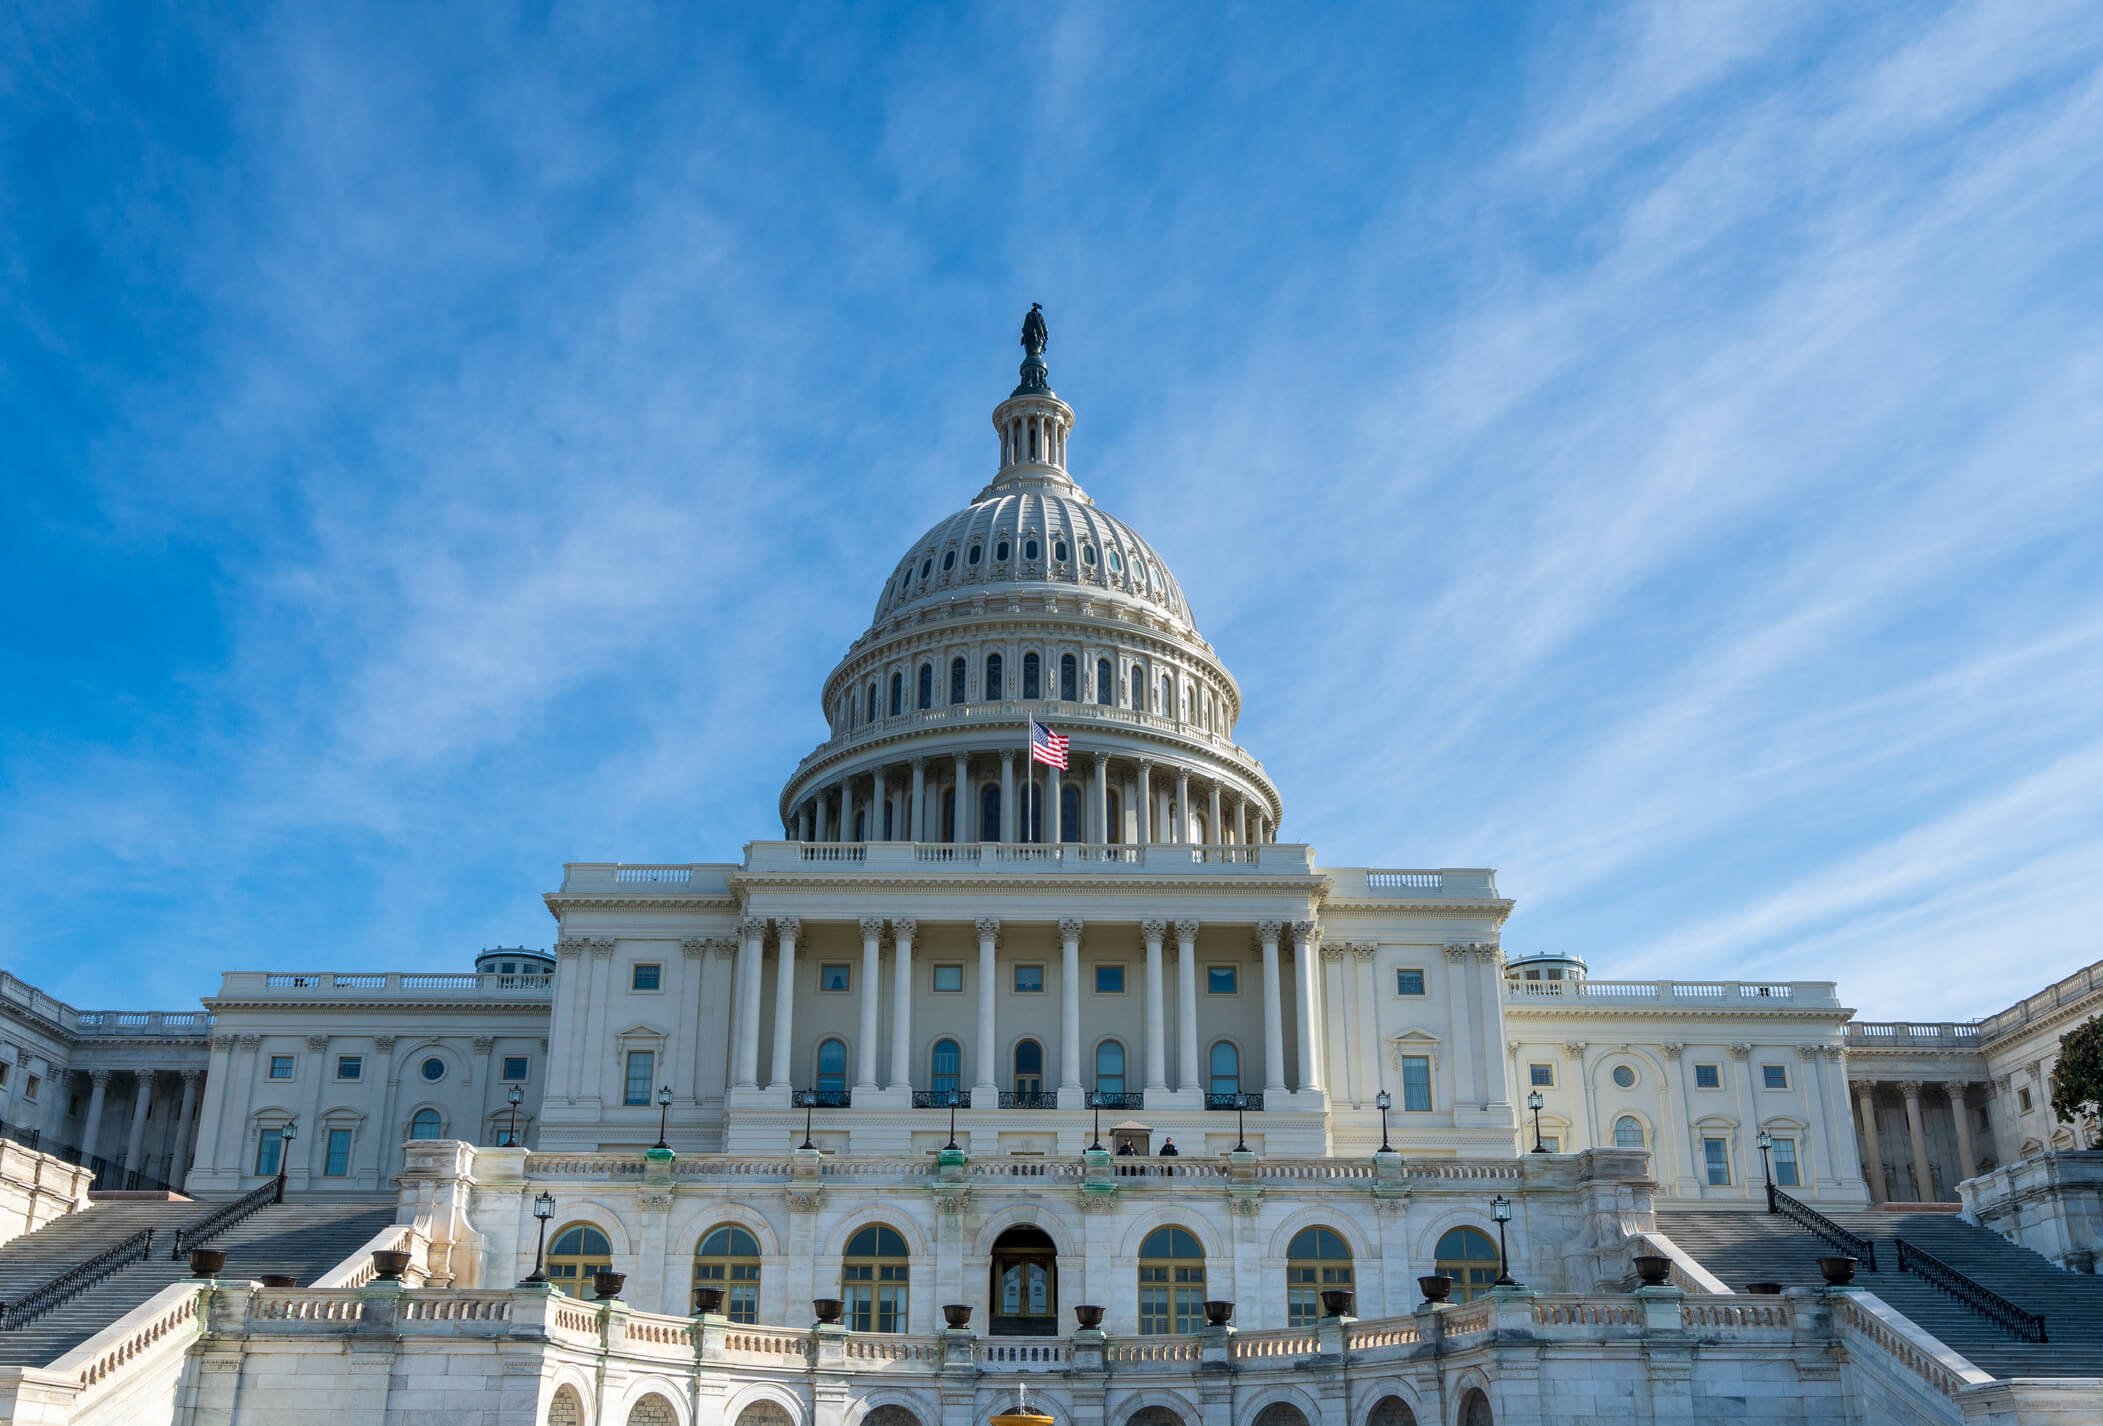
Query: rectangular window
{"type": "Point", "coordinates": [281, 1066]}
{"type": "Point", "coordinates": [1109, 980]}
{"type": "Point", "coordinates": [835, 976]}
{"type": "Point", "coordinates": [1221, 980]}
{"type": "Point", "coordinates": [270, 1152]}
{"type": "Point", "coordinates": [336, 1163]}
{"type": "Point", "coordinates": [6, 1069]}
{"type": "Point", "coordinates": [876, 1296]}
{"type": "Point", "coordinates": [515, 1068]}
{"type": "Point", "coordinates": [1708, 1076]}
{"type": "Point", "coordinates": [1551, 1143]}
{"type": "Point", "coordinates": [350, 1066]}
{"type": "Point", "coordinates": [1029, 980]}
{"type": "Point", "coordinates": [642, 1068]}
{"type": "Point", "coordinates": [647, 975]}
{"type": "Point", "coordinates": [2022, 1099]}
{"type": "Point", "coordinates": [1541, 1076]}
{"type": "Point", "coordinates": [1774, 1076]}
{"type": "Point", "coordinates": [31, 1085]}
{"type": "Point", "coordinates": [1785, 1162]}
{"type": "Point", "coordinates": [1416, 1082]}
{"type": "Point", "coordinates": [949, 977]}
{"type": "Point", "coordinates": [1716, 1153]}
{"type": "Point", "coordinates": [1409, 982]}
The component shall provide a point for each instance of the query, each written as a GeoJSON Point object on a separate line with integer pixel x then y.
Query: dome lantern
{"type": "Point", "coordinates": [1033, 422]}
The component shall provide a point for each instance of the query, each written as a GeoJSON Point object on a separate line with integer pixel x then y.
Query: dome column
{"type": "Point", "coordinates": [1214, 833]}
{"type": "Point", "coordinates": [960, 828]}
{"type": "Point", "coordinates": [846, 810]}
{"type": "Point", "coordinates": [916, 815]}
{"type": "Point", "coordinates": [1101, 799]}
{"type": "Point", "coordinates": [1146, 801]}
{"type": "Point", "coordinates": [1241, 820]}
{"type": "Point", "coordinates": [1182, 831]}
{"type": "Point", "coordinates": [1007, 796]}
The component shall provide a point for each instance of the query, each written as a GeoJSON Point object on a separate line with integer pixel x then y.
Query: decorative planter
{"type": "Point", "coordinates": [1218, 1314]}
{"type": "Point", "coordinates": [1436, 1288]}
{"type": "Point", "coordinates": [1838, 1271]}
{"type": "Point", "coordinates": [828, 1310]}
{"type": "Point", "coordinates": [1764, 1289]}
{"type": "Point", "coordinates": [606, 1284]}
{"type": "Point", "coordinates": [388, 1265]}
{"type": "Point", "coordinates": [1336, 1302]}
{"type": "Point", "coordinates": [207, 1262]}
{"type": "Point", "coordinates": [1654, 1268]}
{"type": "Point", "coordinates": [279, 1280]}
{"type": "Point", "coordinates": [1088, 1315]}
{"type": "Point", "coordinates": [957, 1315]}
{"type": "Point", "coordinates": [708, 1301]}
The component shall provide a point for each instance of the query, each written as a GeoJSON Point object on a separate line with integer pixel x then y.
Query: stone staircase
{"type": "Point", "coordinates": [302, 1238]}
{"type": "Point", "coordinates": [1743, 1247]}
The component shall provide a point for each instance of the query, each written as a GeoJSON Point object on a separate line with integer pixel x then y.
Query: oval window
{"type": "Point", "coordinates": [1059, 552]}
{"type": "Point", "coordinates": [432, 1069]}
{"type": "Point", "coordinates": [1000, 551]}
{"type": "Point", "coordinates": [1625, 1076]}
{"type": "Point", "coordinates": [949, 562]}
{"type": "Point", "coordinates": [1088, 554]}
{"type": "Point", "coordinates": [972, 558]}
{"type": "Point", "coordinates": [927, 567]}
{"type": "Point", "coordinates": [1029, 548]}
{"type": "Point", "coordinates": [1117, 563]}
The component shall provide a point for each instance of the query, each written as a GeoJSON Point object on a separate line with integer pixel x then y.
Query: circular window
{"type": "Point", "coordinates": [972, 558]}
{"type": "Point", "coordinates": [1625, 1076]}
{"type": "Point", "coordinates": [949, 561]}
{"type": "Point", "coordinates": [432, 1069]}
{"type": "Point", "coordinates": [1000, 551]}
{"type": "Point", "coordinates": [927, 567]}
{"type": "Point", "coordinates": [1088, 554]}
{"type": "Point", "coordinates": [1059, 552]}
{"type": "Point", "coordinates": [1029, 548]}
{"type": "Point", "coordinates": [1117, 563]}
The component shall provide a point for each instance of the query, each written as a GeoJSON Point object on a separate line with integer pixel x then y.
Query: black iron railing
{"type": "Point", "coordinates": [75, 1280]}
{"type": "Point", "coordinates": [1805, 1216]}
{"type": "Point", "coordinates": [1029, 1099]}
{"type": "Point", "coordinates": [2029, 1326]}
{"type": "Point", "coordinates": [1126, 1099]}
{"type": "Point", "coordinates": [941, 1098]}
{"type": "Point", "coordinates": [1253, 1103]}
{"type": "Point", "coordinates": [27, 1138]}
{"type": "Point", "coordinates": [226, 1215]}
{"type": "Point", "coordinates": [821, 1098]}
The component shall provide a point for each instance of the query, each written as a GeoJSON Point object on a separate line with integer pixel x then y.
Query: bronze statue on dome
{"type": "Point", "coordinates": [1035, 335]}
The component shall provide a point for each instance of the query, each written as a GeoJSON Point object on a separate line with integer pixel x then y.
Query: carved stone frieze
{"type": "Point", "coordinates": [804, 1200]}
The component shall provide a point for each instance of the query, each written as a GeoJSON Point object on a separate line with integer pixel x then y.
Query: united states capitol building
{"type": "Point", "coordinates": [986, 1071]}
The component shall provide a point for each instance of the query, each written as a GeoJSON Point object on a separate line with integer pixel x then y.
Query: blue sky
{"type": "Point", "coordinates": [1651, 451]}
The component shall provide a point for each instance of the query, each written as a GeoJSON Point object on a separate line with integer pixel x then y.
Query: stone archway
{"type": "Point", "coordinates": [765, 1413]}
{"type": "Point", "coordinates": [567, 1409]}
{"type": "Point", "coordinates": [1023, 1285]}
{"type": "Point", "coordinates": [890, 1415]}
{"type": "Point", "coordinates": [1391, 1411]}
{"type": "Point", "coordinates": [652, 1410]}
{"type": "Point", "coordinates": [1281, 1413]}
{"type": "Point", "coordinates": [1154, 1416]}
{"type": "Point", "coordinates": [1475, 1409]}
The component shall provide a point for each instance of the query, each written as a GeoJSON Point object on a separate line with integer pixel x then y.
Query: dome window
{"type": "Point", "coordinates": [927, 566]}
{"type": "Point", "coordinates": [1117, 562]}
{"type": "Point", "coordinates": [1030, 548]}
{"type": "Point", "coordinates": [976, 551]}
{"type": "Point", "coordinates": [949, 561]}
{"type": "Point", "coordinates": [1088, 555]}
{"type": "Point", "coordinates": [1060, 552]}
{"type": "Point", "coordinates": [1000, 551]}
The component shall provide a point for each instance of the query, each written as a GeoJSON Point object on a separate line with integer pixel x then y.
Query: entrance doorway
{"type": "Point", "coordinates": [1025, 1285]}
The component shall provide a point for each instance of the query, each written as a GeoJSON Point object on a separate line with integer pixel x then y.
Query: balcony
{"type": "Point", "coordinates": [821, 1098]}
{"type": "Point", "coordinates": [1250, 1103]}
{"type": "Point", "coordinates": [941, 1098]}
{"type": "Point", "coordinates": [1687, 994]}
{"type": "Point", "coordinates": [1128, 1099]}
{"type": "Point", "coordinates": [387, 985]}
{"type": "Point", "coordinates": [1903, 1035]}
{"type": "Point", "coordinates": [1029, 1099]}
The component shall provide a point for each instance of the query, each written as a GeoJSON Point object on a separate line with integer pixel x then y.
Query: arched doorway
{"type": "Point", "coordinates": [1025, 1284]}
{"type": "Point", "coordinates": [1391, 1411]}
{"type": "Point", "coordinates": [890, 1415]}
{"type": "Point", "coordinates": [1475, 1409]}
{"type": "Point", "coordinates": [1281, 1413]}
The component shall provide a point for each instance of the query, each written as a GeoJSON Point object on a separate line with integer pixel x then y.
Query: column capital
{"type": "Point", "coordinates": [1186, 930]}
{"type": "Point", "coordinates": [1955, 1089]}
{"type": "Point", "coordinates": [1269, 931]}
{"type": "Point", "coordinates": [569, 947]}
{"type": "Point", "coordinates": [753, 927]}
{"type": "Point", "coordinates": [101, 1078]}
{"type": "Point", "coordinates": [904, 928]}
{"type": "Point", "coordinates": [385, 1044]}
{"type": "Point", "coordinates": [1070, 928]}
{"type": "Point", "coordinates": [988, 927]}
{"type": "Point", "coordinates": [247, 1042]}
{"type": "Point", "coordinates": [1740, 1052]}
{"type": "Point", "coordinates": [601, 947]}
{"type": "Point", "coordinates": [788, 928]}
{"type": "Point", "coordinates": [1146, 765]}
{"type": "Point", "coordinates": [693, 947]}
{"type": "Point", "coordinates": [146, 1076]}
{"type": "Point", "coordinates": [192, 1077]}
{"type": "Point", "coordinates": [1306, 933]}
{"type": "Point", "coordinates": [315, 1044]}
{"type": "Point", "coordinates": [1153, 929]}
{"type": "Point", "coordinates": [1911, 1088]}
{"type": "Point", "coordinates": [872, 927]}
{"type": "Point", "coordinates": [1335, 952]}
{"type": "Point", "coordinates": [1007, 758]}
{"type": "Point", "coordinates": [1364, 950]}
{"type": "Point", "coordinates": [1673, 1049]}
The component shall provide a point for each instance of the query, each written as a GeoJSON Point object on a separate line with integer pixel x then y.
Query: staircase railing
{"type": "Point", "coordinates": [75, 1280]}
{"type": "Point", "coordinates": [2015, 1321]}
{"type": "Point", "coordinates": [1805, 1216]}
{"type": "Point", "coordinates": [226, 1215]}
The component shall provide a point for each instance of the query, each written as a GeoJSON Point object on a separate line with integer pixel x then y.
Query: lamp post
{"type": "Point", "coordinates": [951, 1145]}
{"type": "Point", "coordinates": [1534, 1101]}
{"type": "Point", "coordinates": [1383, 1101]}
{"type": "Point", "coordinates": [516, 1097]}
{"type": "Point", "coordinates": [1501, 1210]}
{"type": "Point", "coordinates": [1766, 1143]}
{"type": "Point", "coordinates": [284, 1154]}
{"type": "Point", "coordinates": [1095, 1103]}
{"type": "Point", "coordinates": [664, 1113]}
{"type": "Point", "coordinates": [1241, 1139]}
{"type": "Point", "coordinates": [543, 1209]}
{"type": "Point", "coordinates": [808, 1101]}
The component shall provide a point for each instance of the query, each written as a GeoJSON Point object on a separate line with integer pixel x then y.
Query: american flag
{"type": "Point", "coordinates": [1047, 746]}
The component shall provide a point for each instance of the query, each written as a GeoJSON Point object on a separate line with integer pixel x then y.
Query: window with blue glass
{"type": "Point", "coordinates": [1409, 982]}
{"type": "Point", "coordinates": [1029, 980]}
{"type": "Point", "coordinates": [1716, 1157]}
{"type": "Point", "coordinates": [1221, 980]}
{"type": "Point", "coordinates": [335, 1161]}
{"type": "Point", "coordinates": [1110, 1067]}
{"type": "Point", "coordinates": [832, 1065]}
{"type": "Point", "coordinates": [635, 1083]}
{"type": "Point", "coordinates": [270, 1152]}
{"type": "Point", "coordinates": [956, 680]}
{"type": "Point", "coordinates": [835, 976]}
{"type": "Point", "coordinates": [1110, 979]}
{"type": "Point", "coordinates": [1224, 1069]}
{"type": "Point", "coordinates": [647, 976]}
{"type": "Point", "coordinates": [944, 1065]}
{"type": "Point", "coordinates": [1416, 1083]}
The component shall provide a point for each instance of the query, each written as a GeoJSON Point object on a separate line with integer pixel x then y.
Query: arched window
{"type": "Point", "coordinates": [1059, 551]}
{"type": "Point", "coordinates": [652, 1410]}
{"type": "Point", "coordinates": [1628, 1132]}
{"type": "Point", "coordinates": [1110, 1067]}
{"type": "Point", "coordinates": [875, 708]}
{"type": "Point", "coordinates": [1136, 684]}
{"type": "Point", "coordinates": [873, 1278]}
{"type": "Point", "coordinates": [973, 557]}
{"type": "Point", "coordinates": [1318, 1261]}
{"type": "Point", "coordinates": [1225, 1067]}
{"type": "Point", "coordinates": [1281, 1413]}
{"type": "Point", "coordinates": [897, 694]}
{"type": "Point", "coordinates": [1391, 1411]}
{"type": "Point", "coordinates": [773, 1413]}
{"type": "Point", "coordinates": [992, 678]}
{"type": "Point", "coordinates": [832, 1065]}
{"type": "Point", "coordinates": [728, 1258]}
{"type": "Point", "coordinates": [1475, 1409]}
{"type": "Point", "coordinates": [1029, 547]}
{"type": "Point", "coordinates": [1168, 697]}
{"type": "Point", "coordinates": [1029, 1067]}
{"type": "Point", "coordinates": [956, 680]}
{"type": "Point", "coordinates": [425, 1124]}
{"type": "Point", "coordinates": [1000, 551]}
{"type": "Point", "coordinates": [577, 1252]}
{"type": "Point", "coordinates": [1069, 678]}
{"type": "Point", "coordinates": [891, 1415]}
{"type": "Point", "coordinates": [1069, 812]}
{"type": "Point", "coordinates": [567, 1409]}
{"type": "Point", "coordinates": [1031, 676]}
{"type": "Point", "coordinates": [1469, 1257]}
{"type": "Point", "coordinates": [927, 685]}
{"type": "Point", "coordinates": [1105, 683]}
{"type": "Point", "coordinates": [989, 812]}
{"type": "Point", "coordinates": [1171, 1282]}
{"type": "Point", "coordinates": [944, 1065]}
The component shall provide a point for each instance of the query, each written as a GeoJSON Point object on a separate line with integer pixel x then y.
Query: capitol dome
{"type": "Point", "coordinates": [1031, 604]}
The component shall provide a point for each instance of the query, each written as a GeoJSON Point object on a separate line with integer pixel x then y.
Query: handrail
{"type": "Point", "coordinates": [2015, 1321]}
{"type": "Point", "coordinates": [1805, 1216]}
{"type": "Point", "coordinates": [226, 1215]}
{"type": "Point", "coordinates": [75, 1280]}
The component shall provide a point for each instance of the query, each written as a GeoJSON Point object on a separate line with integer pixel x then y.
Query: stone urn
{"type": "Point", "coordinates": [1336, 1302]}
{"type": "Point", "coordinates": [708, 1301]}
{"type": "Point", "coordinates": [1655, 1269]}
{"type": "Point", "coordinates": [1436, 1288]}
{"type": "Point", "coordinates": [1218, 1313]}
{"type": "Point", "coordinates": [1088, 1315]}
{"type": "Point", "coordinates": [606, 1284]}
{"type": "Point", "coordinates": [957, 1315]}
{"type": "Point", "coordinates": [828, 1310]}
{"type": "Point", "coordinates": [279, 1280]}
{"type": "Point", "coordinates": [1838, 1271]}
{"type": "Point", "coordinates": [388, 1265]}
{"type": "Point", "coordinates": [207, 1262]}
{"type": "Point", "coordinates": [1764, 1289]}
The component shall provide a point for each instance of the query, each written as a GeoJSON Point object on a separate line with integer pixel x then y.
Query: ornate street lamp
{"type": "Point", "coordinates": [543, 1209]}
{"type": "Point", "coordinates": [284, 1154]}
{"type": "Point", "coordinates": [808, 1101]}
{"type": "Point", "coordinates": [664, 1113]}
{"type": "Point", "coordinates": [951, 1145]}
{"type": "Point", "coordinates": [1241, 1140]}
{"type": "Point", "coordinates": [1384, 1101]}
{"type": "Point", "coordinates": [1766, 1143]}
{"type": "Point", "coordinates": [1534, 1101]}
{"type": "Point", "coordinates": [517, 1096]}
{"type": "Point", "coordinates": [1095, 1102]}
{"type": "Point", "coordinates": [1501, 1210]}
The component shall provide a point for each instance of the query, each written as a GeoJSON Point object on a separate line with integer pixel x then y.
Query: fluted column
{"type": "Point", "coordinates": [872, 969]}
{"type": "Point", "coordinates": [1054, 794]}
{"type": "Point", "coordinates": [1007, 797]}
{"type": "Point", "coordinates": [916, 829]}
{"type": "Point", "coordinates": [1273, 1009]}
{"type": "Point", "coordinates": [91, 1129]}
{"type": "Point", "coordinates": [1965, 1162]}
{"type": "Point", "coordinates": [1213, 831]}
{"type": "Point", "coordinates": [821, 805]}
{"type": "Point", "coordinates": [1241, 820]}
{"type": "Point", "coordinates": [1187, 1005]}
{"type": "Point", "coordinates": [1306, 938]}
{"type": "Point", "coordinates": [902, 929]}
{"type": "Point", "coordinates": [1872, 1152]}
{"type": "Point", "coordinates": [1917, 1140]}
{"type": "Point", "coordinates": [965, 816]}
{"type": "Point", "coordinates": [1146, 801]}
{"type": "Point", "coordinates": [1156, 1018]}
{"type": "Point", "coordinates": [141, 1102]}
{"type": "Point", "coordinates": [785, 927]}
{"type": "Point", "coordinates": [1102, 799]}
{"type": "Point", "coordinates": [879, 803]}
{"type": "Point", "coordinates": [1070, 1013]}
{"type": "Point", "coordinates": [846, 809]}
{"type": "Point", "coordinates": [185, 1128]}
{"type": "Point", "coordinates": [988, 1065]}
{"type": "Point", "coordinates": [752, 947]}
{"type": "Point", "coordinates": [1183, 807]}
